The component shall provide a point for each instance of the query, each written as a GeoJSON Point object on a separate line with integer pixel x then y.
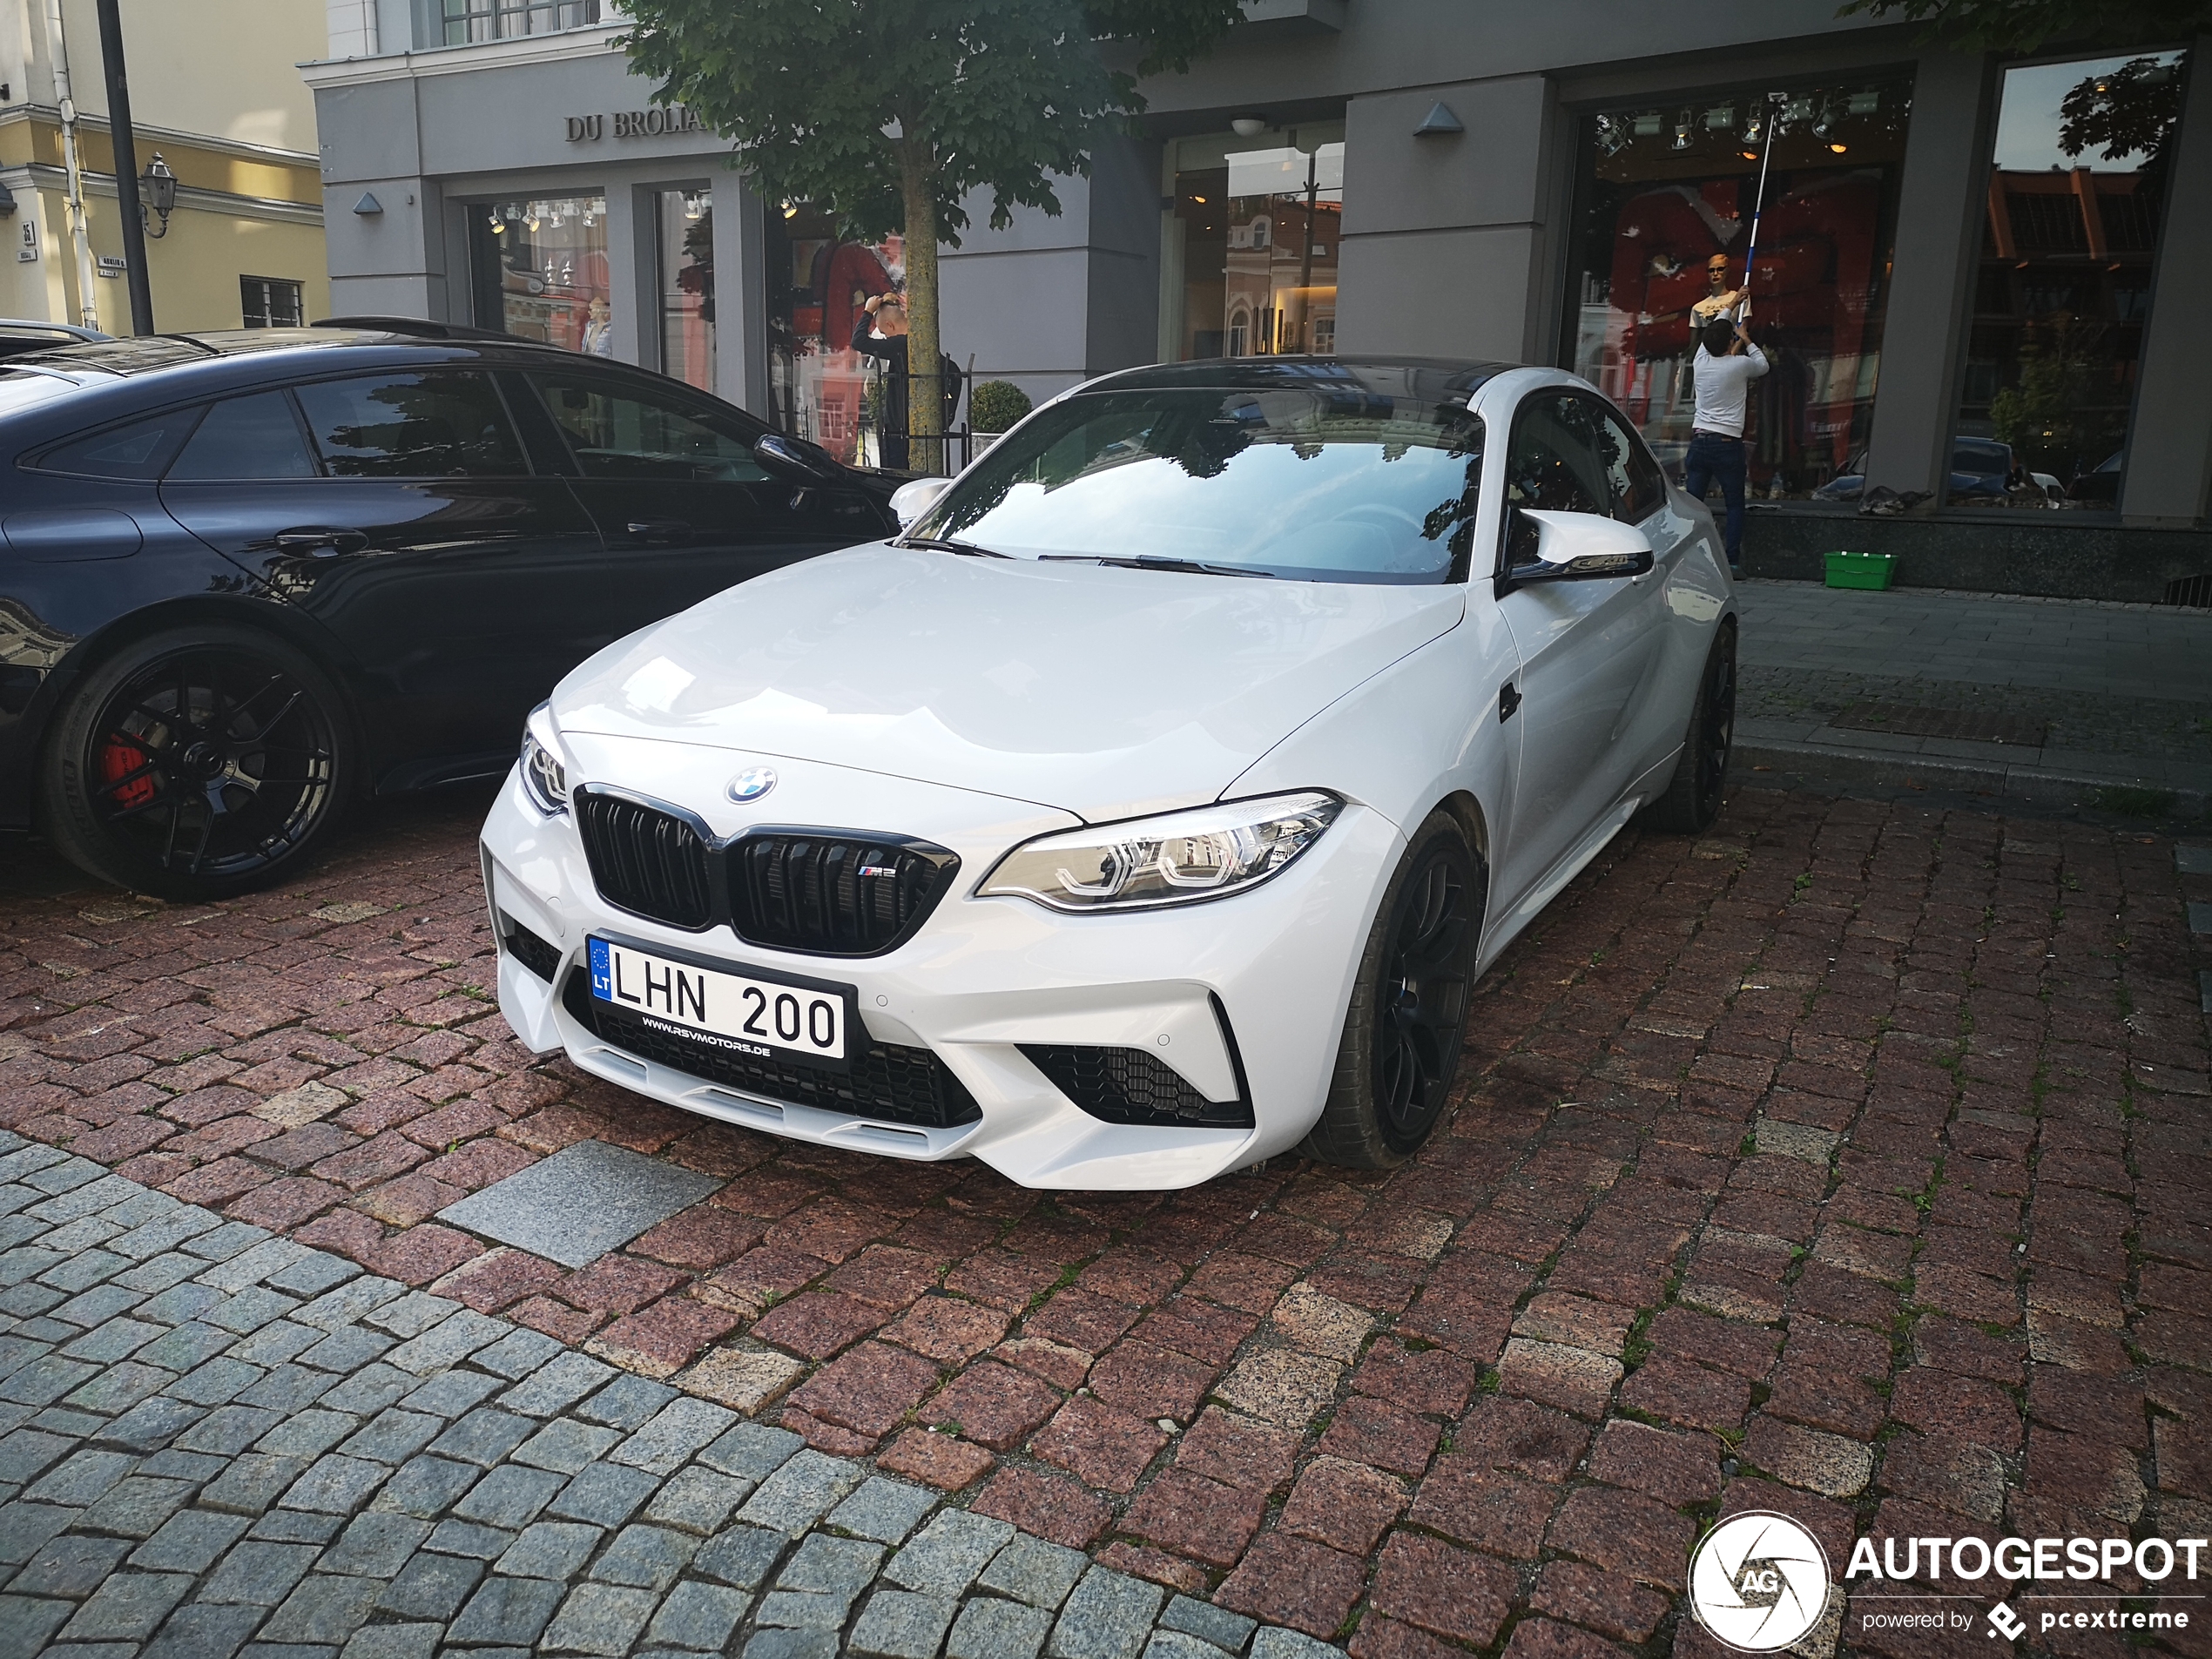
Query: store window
{"type": "Point", "coordinates": [1250, 248]}
{"type": "Point", "coordinates": [540, 269]}
{"type": "Point", "coordinates": [468, 20]}
{"type": "Point", "coordinates": [269, 302]}
{"type": "Point", "coordinates": [1665, 201]}
{"type": "Point", "coordinates": [2077, 194]}
{"type": "Point", "coordinates": [818, 386]}
{"type": "Point", "coordinates": [686, 218]}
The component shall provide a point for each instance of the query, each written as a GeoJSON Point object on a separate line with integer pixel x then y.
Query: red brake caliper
{"type": "Point", "coordinates": [120, 757]}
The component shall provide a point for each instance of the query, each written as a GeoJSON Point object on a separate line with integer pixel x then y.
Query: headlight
{"type": "Point", "coordinates": [545, 781]}
{"type": "Point", "coordinates": [1177, 858]}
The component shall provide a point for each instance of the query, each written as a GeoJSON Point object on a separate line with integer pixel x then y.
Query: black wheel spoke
{"type": "Point", "coordinates": [1421, 1002]}
{"type": "Point", "coordinates": [223, 801]}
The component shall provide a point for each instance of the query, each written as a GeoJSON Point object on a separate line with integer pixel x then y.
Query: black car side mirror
{"type": "Point", "coordinates": [1570, 547]}
{"type": "Point", "coordinates": [795, 459]}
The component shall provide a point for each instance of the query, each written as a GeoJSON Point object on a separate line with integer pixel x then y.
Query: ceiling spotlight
{"type": "Point", "coordinates": [1248, 126]}
{"type": "Point", "coordinates": [1839, 148]}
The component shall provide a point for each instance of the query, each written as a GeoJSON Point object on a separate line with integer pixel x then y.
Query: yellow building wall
{"type": "Point", "coordinates": [223, 67]}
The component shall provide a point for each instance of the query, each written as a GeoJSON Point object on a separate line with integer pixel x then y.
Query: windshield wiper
{"type": "Point", "coordinates": [1189, 566]}
{"type": "Point", "coordinates": [946, 544]}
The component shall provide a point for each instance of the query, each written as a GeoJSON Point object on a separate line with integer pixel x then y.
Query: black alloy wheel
{"type": "Point", "coordinates": [1407, 1018]}
{"type": "Point", "coordinates": [1716, 724]}
{"type": "Point", "coordinates": [193, 768]}
{"type": "Point", "coordinates": [1420, 1014]}
{"type": "Point", "coordinates": [1693, 797]}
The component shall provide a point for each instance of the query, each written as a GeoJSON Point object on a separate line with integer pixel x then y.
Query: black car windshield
{"type": "Point", "coordinates": [1317, 485]}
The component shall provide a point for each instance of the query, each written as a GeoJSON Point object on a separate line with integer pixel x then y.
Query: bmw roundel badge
{"type": "Point", "coordinates": [751, 784]}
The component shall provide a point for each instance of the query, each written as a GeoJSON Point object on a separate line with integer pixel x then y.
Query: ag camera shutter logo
{"type": "Point", "coordinates": [1758, 1582]}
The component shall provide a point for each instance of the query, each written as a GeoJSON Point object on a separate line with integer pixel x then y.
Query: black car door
{"type": "Point", "coordinates": [398, 509]}
{"type": "Point", "coordinates": [670, 480]}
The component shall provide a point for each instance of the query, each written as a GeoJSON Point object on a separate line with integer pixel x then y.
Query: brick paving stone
{"type": "Point", "coordinates": [1679, 992]}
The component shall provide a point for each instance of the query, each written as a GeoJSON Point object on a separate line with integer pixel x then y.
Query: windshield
{"type": "Point", "coordinates": [1311, 485]}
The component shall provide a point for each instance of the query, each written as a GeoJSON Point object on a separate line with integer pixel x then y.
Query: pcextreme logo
{"type": "Point", "coordinates": [1759, 1582]}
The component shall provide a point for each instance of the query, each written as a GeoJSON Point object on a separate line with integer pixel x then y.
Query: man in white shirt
{"type": "Point", "coordinates": [1726, 364]}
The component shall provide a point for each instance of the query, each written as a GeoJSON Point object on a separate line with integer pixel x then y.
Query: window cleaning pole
{"type": "Point", "coordinates": [88, 310]}
{"type": "Point", "coordinates": [1758, 204]}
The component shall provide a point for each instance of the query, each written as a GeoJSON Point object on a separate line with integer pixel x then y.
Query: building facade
{"type": "Point", "coordinates": [215, 93]}
{"type": "Point", "coordinates": [1974, 278]}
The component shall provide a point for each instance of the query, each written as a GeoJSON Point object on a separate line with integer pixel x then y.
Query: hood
{"type": "Point", "coordinates": [1105, 692]}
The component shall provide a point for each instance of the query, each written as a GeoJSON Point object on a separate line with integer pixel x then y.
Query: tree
{"type": "Point", "coordinates": [888, 112]}
{"type": "Point", "coordinates": [2027, 25]}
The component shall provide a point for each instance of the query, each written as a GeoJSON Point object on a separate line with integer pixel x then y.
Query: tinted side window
{"type": "Point", "coordinates": [138, 450]}
{"type": "Point", "coordinates": [1554, 463]}
{"type": "Point", "coordinates": [246, 437]}
{"type": "Point", "coordinates": [1637, 487]}
{"type": "Point", "coordinates": [616, 431]}
{"type": "Point", "coordinates": [408, 425]}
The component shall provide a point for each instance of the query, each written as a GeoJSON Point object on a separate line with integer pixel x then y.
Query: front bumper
{"type": "Point", "coordinates": [1244, 995]}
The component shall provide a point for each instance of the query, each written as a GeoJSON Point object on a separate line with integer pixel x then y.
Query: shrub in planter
{"type": "Point", "coordinates": [996, 405]}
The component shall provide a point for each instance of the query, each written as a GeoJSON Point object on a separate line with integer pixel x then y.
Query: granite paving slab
{"type": "Point", "coordinates": [581, 1202]}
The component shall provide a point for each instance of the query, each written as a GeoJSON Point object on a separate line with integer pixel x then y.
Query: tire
{"type": "Point", "coordinates": [197, 763]}
{"type": "Point", "coordinates": [1399, 1053]}
{"type": "Point", "coordinates": [1693, 797]}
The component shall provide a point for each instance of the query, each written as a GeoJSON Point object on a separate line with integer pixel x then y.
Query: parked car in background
{"type": "Point", "coordinates": [247, 577]}
{"type": "Point", "coordinates": [1982, 470]}
{"type": "Point", "coordinates": [19, 335]}
{"type": "Point", "coordinates": [1151, 804]}
{"type": "Point", "coordinates": [2100, 487]}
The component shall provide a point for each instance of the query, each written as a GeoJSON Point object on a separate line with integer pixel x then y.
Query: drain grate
{"type": "Point", "coordinates": [2192, 590]}
{"type": "Point", "coordinates": [1973, 725]}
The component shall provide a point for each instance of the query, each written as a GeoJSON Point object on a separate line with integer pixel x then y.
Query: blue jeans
{"type": "Point", "coordinates": [1712, 461]}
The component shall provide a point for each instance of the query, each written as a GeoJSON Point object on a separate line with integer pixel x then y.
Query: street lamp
{"type": "Point", "coordinates": [157, 194]}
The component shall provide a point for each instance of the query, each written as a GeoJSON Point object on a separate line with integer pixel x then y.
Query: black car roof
{"type": "Point", "coordinates": [155, 354]}
{"type": "Point", "coordinates": [1435, 379]}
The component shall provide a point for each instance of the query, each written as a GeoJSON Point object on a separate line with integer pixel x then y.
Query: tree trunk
{"type": "Point", "coordinates": [925, 406]}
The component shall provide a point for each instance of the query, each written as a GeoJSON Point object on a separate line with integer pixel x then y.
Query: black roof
{"type": "Point", "coordinates": [1428, 380]}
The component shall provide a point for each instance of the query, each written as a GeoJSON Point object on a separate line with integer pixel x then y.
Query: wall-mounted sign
{"type": "Point", "coordinates": [655, 123]}
{"type": "Point", "coordinates": [110, 265]}
{"type": "Point", "coordinates": [27, 246]}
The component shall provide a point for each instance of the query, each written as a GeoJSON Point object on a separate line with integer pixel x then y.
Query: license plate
{"type": "Point", "coordinates": [767, 1019]}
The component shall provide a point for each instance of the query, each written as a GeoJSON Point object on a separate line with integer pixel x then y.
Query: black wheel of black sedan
{"type": "Point", "coordinates": [1693, 797]}
{"type": "Point", "coordinates": [1403, 1031]}
{"type": "Point", "coordinates": [190, 765]}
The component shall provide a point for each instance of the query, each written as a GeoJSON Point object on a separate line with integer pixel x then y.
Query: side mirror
{"type": "Point", "coordinates": [910, 501]}
{"type": "Point", "coordinates": [1570, 547]}
{"type": "Point", "coordinates": [796, 460]}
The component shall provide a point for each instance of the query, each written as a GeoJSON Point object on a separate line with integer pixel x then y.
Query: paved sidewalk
{"type": "Point", "coordinates": [217, 1436]}
{"type": "Point", "coordinates": [1851, 1161]}
{"type": "Point", "coordinates": [2123, 693]}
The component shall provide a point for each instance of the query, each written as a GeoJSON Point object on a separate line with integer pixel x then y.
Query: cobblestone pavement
{"type": "Point", "coordinates": [217, 1435]}
{"type": "Point", "coordinates": [1849, 1161]}
{"type": "Point", "coordinates": [2123, 689]}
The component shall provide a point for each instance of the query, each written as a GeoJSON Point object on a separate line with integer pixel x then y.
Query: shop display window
{"type": "Point", "coordinates": [540, 269]}
{"type": "Point", "coordinates": [687, 286]}
{"type": "Point", "coordinates": [1663, 209]}
{"type": "Point", "coordinates": [818, 386]}
{"type": "Point", "coordinates": [2076, 197]}
{"type": "Point", "coordinates": [1249, 246]}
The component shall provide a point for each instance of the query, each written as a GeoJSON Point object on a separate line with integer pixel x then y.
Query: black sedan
{"type": "Point", "coordinates": [248, 578]}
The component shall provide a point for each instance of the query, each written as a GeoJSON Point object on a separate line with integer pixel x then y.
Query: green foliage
{"type": "Point", "coordinates": [996, 405]}
{"type": "Point", "coordinates": [825, 100]}
{"type": "Point", "coordinates": [2027, 25]}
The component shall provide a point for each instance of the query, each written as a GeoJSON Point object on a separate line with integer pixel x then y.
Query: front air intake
{"type": "Point", "coordinates": [647, 861]}
{"type": "Point", "coordinates": [1132, 1086]}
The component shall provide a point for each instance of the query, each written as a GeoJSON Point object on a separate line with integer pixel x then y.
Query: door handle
{"type": "Point", "coordinates": [321, 539]}
{"type": "Point", "coordinates": [648, 527]}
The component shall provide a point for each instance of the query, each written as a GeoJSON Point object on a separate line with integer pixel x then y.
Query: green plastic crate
{"type": "Point", "coordinates": [1872, 570]}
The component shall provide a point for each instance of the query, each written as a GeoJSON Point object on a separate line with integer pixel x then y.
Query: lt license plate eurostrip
{"type": "Point", "coordinates": [756, 1011]}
